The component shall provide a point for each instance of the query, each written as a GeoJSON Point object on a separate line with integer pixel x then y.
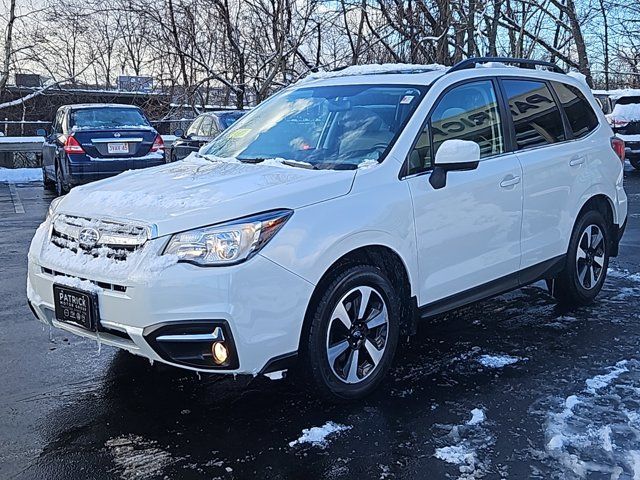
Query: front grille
{"type": "Point", "coordinates": [98, 237]}
{"type": "Point", "coordinates": [107, 286]}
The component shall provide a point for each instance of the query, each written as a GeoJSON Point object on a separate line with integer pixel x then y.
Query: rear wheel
{"type": "Point", "coordinates": [587, 261]}
{"type": "Point", "coordinates": [60, 188]}
{"type": "Point", "coordinates": [48, 183]}
{"type": "Point", "coordinates": [353, 334]}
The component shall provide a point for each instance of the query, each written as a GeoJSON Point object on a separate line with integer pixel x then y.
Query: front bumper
{"type": "Point", "coordinates": [260, 305]}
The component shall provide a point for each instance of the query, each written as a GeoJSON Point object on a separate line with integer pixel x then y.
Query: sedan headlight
{"type": "Point", "coordinates": [227, 243]}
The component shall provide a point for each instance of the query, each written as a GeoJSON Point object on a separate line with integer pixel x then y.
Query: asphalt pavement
{"type": "Point", "coordinates": [512, 387]}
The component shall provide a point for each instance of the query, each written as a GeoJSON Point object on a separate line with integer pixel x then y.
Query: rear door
{"type": "Point", "coordinates": [51, 144]}
{"type": "Point", "coordinates": [467, 233]}
{"type": "Point", "coordinates": [553, 168]}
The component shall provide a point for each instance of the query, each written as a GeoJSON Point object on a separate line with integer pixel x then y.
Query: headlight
{"type": "Point", "coordinates": [53, 205]}
{"type": "Point", "coordinates": [227, 243]}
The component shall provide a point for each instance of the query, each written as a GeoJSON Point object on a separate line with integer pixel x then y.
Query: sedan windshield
{"type": "Point", "coordinates": [107, 117]}
{"type": "Point", "coordinates": [327, 127]}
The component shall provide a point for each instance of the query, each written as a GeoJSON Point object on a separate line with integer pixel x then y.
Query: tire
{"type": "Point", "coordinates": [586, 264]}
{"type": "Point", "coordinates": [60, 189]}
{"type": "Point", "coordinates": [371, 341]}
{"type": "Point", "coordinates": [635, 162]}
{"type": "Point", "coordinates": [47, 183]}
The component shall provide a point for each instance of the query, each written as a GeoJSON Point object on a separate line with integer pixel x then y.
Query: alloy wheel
{"type": "Point", "coordinates": [590, 257]}
{"type": "Point", "coordinates": [357, 334]}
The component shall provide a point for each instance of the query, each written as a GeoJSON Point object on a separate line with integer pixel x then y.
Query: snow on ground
{"type": "Point", "coordinates": [319, 436]}
{"type": "Point", "coordinates": [20, 175]}
{"type": "Point", "coordinates": [137, 458]}
{"type": "Point", "coordinates": [596, 431]}
{"type": "Point", "coordinates": [466, 446]}
{"type": "Point", "coordinates": [497, 361]}
{"type": "Point", "coordinates": [621, 273]}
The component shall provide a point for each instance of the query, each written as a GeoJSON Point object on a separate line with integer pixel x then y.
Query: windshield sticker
{"type": "Point", "coordinates": [239, 133]}
{"type": "Point", "coordinates": [407, 99]}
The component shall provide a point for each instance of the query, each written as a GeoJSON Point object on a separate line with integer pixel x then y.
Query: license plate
{"type": "Point", "coordinates": [118, 147]}
{"type": "Point", "coordinates": [75, 306]}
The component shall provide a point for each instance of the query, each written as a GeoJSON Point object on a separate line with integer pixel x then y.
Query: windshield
{"type": "Point", "coordinates": [107, 117]}
{"type": "Point", "coordinates": [228, 119]}
{"type": "Point", "coordinates": [326, 127]}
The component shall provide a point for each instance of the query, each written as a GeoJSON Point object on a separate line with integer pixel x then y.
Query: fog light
{"type": "Point", "coordinates": [219, 352]}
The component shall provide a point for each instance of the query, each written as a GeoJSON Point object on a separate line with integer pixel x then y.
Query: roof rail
{"type": "Point", "coordinates": [520, 62]}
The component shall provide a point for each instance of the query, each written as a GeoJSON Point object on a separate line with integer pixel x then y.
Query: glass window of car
{"type": "Point", "coordinates": [582, 118]}
{"type": "Point", "coordinates": [229, 118]}
{"type": "Point", "coordinates": [205, 127]}
{"type": "Point", "coordinates": [466, 112]}
{"type": "Point", "coordinates": [536, 116]}
{"type": "Point", "coordinates": [193, 128]}
{"type": "Point", "coordinates": [326, 126]}
{"type": "Point", "coordinates": [107, 117]}
{"type": "Point", "coordinates": [57, 123]}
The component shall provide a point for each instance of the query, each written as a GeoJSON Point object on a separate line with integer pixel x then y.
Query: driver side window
{"type": "Point", "coordinates": [466, 112]}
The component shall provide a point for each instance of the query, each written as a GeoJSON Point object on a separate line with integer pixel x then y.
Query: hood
{"type": "Point", "coordinates": [196, 192]}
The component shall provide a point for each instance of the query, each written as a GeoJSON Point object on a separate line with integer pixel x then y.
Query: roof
{"type": "Point", "coordinates": [77, 106]}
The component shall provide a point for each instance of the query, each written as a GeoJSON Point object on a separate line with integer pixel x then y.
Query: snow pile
{"type": "Point", "coordinates": [374, 69]}
{"type": "Point", "coordinates": [477, 416]}
{"type": "Point", "coordinates": [467, 447]}
{"type": "Point", "coordinates": [578, 76]}
{"type": "Point", "coordinates": [20, 175]}
{"type": "Point", "coordinates": [318, 436]}
{"type": "Point", "coordinates": [596, 431]}
{"type": "Point", "coordinates": [497, 361]}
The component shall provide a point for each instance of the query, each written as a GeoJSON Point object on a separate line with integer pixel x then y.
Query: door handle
{"type": "Point", "coordinates": [577, 160]}
{"type": "Point", "coordinates": [510, 181]}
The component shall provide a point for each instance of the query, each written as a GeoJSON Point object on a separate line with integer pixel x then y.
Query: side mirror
{"type": "Point", "coordinates": [179, 133]}
{"type": "Point", "coordinates": [41, 132]}
{"type": "Point", "coordinates": [451, 156]}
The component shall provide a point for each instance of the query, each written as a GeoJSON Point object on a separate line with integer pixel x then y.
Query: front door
{"type": "Point", "coordinates": [468, 232]}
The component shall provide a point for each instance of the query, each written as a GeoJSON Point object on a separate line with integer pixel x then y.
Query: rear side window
{"type": "Point", "coordinates": [193, 128]}
{"type": "Point", "coordinates": [536, 117]}
{"type": "Point", "coordinates": [582, 118]}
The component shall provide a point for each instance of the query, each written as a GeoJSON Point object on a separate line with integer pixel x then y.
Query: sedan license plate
{"type": "Point", "coordinates": [75, 306]}
{"type": "Point", "coordinates": [118, 148]}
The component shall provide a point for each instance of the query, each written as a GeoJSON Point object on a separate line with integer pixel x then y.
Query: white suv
{"type": "Point", "coordinates": [320, 227]}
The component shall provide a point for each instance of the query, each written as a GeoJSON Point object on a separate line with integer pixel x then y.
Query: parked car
{"type": "Point", "coordinates": [315, 232]}
{"type": "Point", "coordinates": [625, 121]}
{"type": "Point", "coordinates": [94, 141]}
{"type": "Point", "coordinates": [603, 100]}
{"type": "Point", "coordinates": [202, 130]}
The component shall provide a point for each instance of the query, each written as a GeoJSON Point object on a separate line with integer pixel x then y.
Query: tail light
{"type": "Point", "coordinates": [72, 145]}
{"type": "Point", "coordinates": [618, 146]}
{"type": "Point", "coordinates": [619, 122]}
{"type": "Point", "coordinates": [158, 144]}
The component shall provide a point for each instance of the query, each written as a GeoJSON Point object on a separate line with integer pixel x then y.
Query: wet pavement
{"type": "Point", "coordinates": [512, 387]}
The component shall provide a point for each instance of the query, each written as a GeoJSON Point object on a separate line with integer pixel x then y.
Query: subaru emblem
{"type": "Point", "coordinates": [88, 237]}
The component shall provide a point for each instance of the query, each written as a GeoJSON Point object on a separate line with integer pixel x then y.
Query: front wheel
{"type": "Point", "coordinates": [353, 334]}
{"type": "Point", "coordinates": [587, 261]}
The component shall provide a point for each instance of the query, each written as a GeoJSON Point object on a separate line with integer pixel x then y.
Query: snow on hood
{"type": "Point", "coordinates": [196, 191]}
